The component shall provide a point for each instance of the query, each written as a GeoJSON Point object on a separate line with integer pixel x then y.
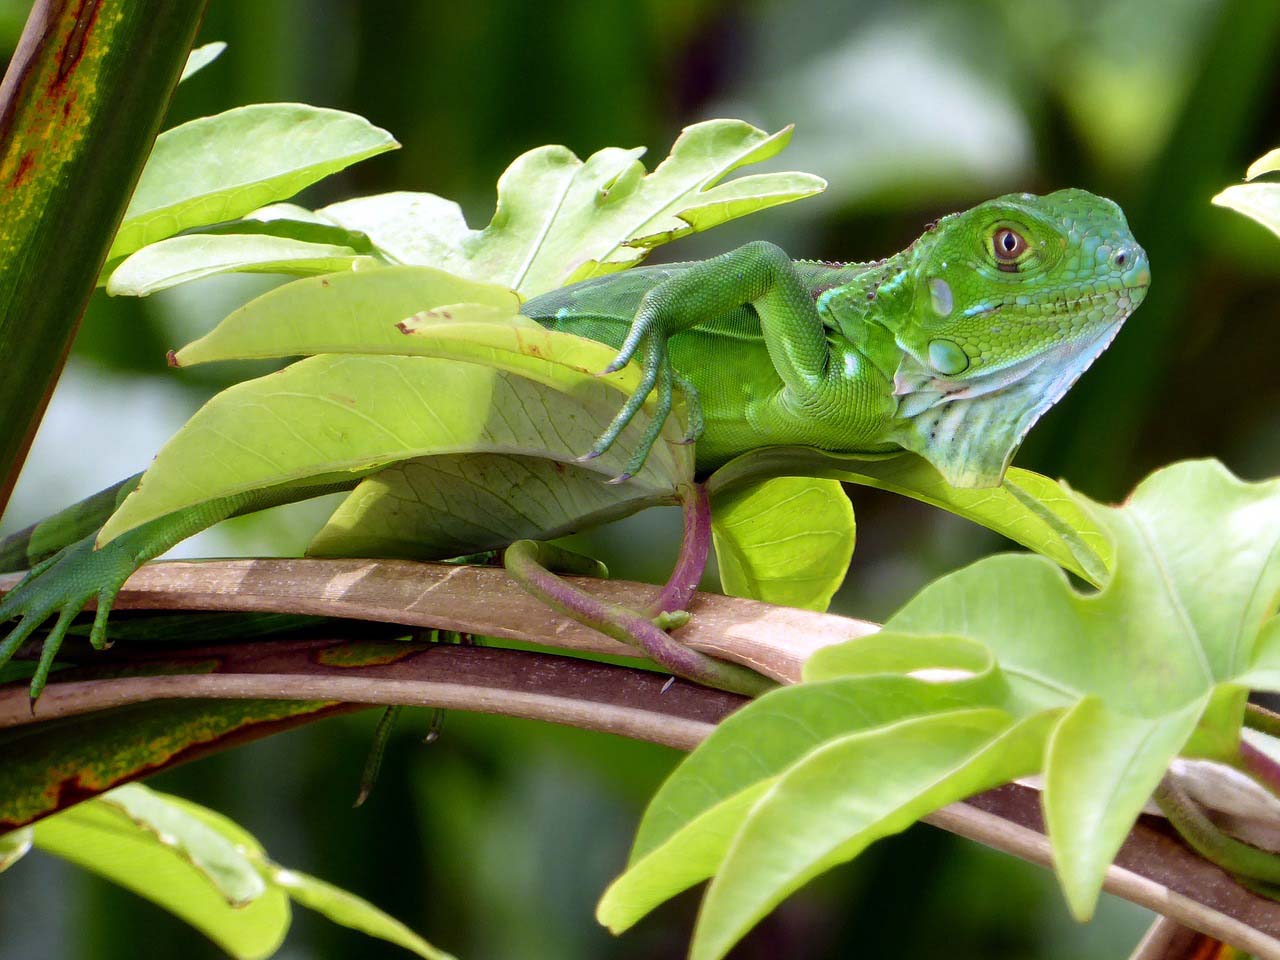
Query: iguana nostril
{"type": "Point", "coordinates": [1121, 258]}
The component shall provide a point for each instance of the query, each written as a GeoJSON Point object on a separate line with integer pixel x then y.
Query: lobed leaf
{"type": "Point", "coordinates": [1143, 659]}
{"type": "Point", "coordinates": [560, 219]}
{"type": "Point", "coordinates": [1101, 768]}
{"type": "Point", "coordinates": [786, 541]}
{"type": "Point", "coordinates": [221, 167]}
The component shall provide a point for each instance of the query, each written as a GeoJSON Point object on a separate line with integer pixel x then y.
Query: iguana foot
{"type": "Point", "coordinates": [62, 585]}
{"type": "Point", "coordinates": [524, 562]}
{"type": "Point", "coordinates": [648, 332]}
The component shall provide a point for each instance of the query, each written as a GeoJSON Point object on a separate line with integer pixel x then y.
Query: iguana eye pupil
{"type": "Point", "coordinates": [1009, 244]}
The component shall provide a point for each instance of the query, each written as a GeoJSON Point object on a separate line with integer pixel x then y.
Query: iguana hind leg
{"type": "Point", "coordinates": [527, 561]}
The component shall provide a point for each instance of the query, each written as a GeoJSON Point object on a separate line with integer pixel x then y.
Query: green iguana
{"type": "Point", "coordinates": [951, 349]}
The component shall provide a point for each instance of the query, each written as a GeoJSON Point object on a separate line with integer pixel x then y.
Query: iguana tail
{"type": "Point", "coordinates": [26, 548]}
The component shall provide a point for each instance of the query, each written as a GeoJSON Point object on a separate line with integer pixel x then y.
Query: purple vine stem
{"type": "Point", "coordinates": [1261, 766]}
{"type": "Point", "coordinates": [695, 544]}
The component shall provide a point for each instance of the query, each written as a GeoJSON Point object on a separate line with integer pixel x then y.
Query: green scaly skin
{"type": "Point", "coordinates": [951, 349]}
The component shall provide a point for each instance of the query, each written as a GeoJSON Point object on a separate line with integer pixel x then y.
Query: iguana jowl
{"type": "Point", "coordinates": [950, 349]}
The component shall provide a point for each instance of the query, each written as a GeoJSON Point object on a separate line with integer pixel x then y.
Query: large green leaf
{"type": "Point", "coordinates": [559, 219]}
{"type": "Point", "coordinates": [808, 820]}
{"type": "Point", "coordinates": [137, 840]}
{"type": "Point", "coordinates": [776, 730]}
{"type": "Point", "coordinates": [356, 414]}
{"type": "Point", "coordinates": [786, 540]}
{"type": "Point", "coordinates": [448, 506]}
{"type": "Point", "coordinates": [354, 312]}
{"type": "Point", "coordinates": [222, 167]}
{"type": "Point", "coordinates": [1028, 508]}
{"type": "Point", "coordinates": [159, 266]}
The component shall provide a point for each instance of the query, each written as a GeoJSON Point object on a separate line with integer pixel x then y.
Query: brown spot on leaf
{"type": "Point", "coordinates": [77, 40]}
{"type": "Point", "coordinates": [24, 169]}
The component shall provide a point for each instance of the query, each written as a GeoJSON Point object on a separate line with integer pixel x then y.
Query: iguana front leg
{"type": "Point", "coordinates": [759, 274]}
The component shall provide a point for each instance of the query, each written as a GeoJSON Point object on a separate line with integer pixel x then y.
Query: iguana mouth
{"type": "Point", "coordinates": [1050, 310]}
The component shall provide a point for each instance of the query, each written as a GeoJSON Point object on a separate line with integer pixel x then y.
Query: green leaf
{"type": "Point", "coordinates": [1028, 508]}
{"type": "Point", "coordinates": [771, 733]}
{"type": "Point", "coordinates": [355, 312]}
{"type": "Point", "coordinates": [559, 220]}
{"type": "Point", "coordinates": [339, 416]}
{"type": "Point", "coordinates": [1101, 769]}
{"type": "Point", "coordinates": [785, 541]}
{"type": "Point", "coordinates": [1269, 162]}
{"type": "Point", "coordinates": [205, 848]}
{"type": "Point", "coordinates": [46, 764]}
{"type": "Point", "coordinates": [348, 910]}
{"type": "Point", "coordinates": [449, 506]}
{"type": "Point", "coordinates": [1258, 201]}
{"type": "Point", "coordinates": [222, 167]}
{"type": "Point", "coordinates": [14, 846]}
{"type": "Point", "coordinates": [145, 843]}
{"type": "Point", "coordinates": [201, 57]}
{"type": "Point", "coordinates": [1116, 681]}
{"type": "Point", "coordinates": [159, 266]}
{"type": "Point", "coordinates": [853, 790]}
{"type": "Point", "coordinates": [1142, 658]}
{"type": "Point", "coordinates": [690, 855]}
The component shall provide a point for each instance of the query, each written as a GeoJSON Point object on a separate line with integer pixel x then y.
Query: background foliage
{"type": "Point", "coordinates": [496, 840]}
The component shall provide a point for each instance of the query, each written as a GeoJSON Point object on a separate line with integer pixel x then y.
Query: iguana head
{"type": "Point", "coordinates": [1004, 306]}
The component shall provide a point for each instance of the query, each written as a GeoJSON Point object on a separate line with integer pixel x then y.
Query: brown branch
{"type": "Point", "coordinates": [1153, 869]}
{"type": "Point", "coordinates": [482, 600]}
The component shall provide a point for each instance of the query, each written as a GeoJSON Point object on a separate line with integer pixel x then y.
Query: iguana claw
{"type": "Point", "coordinates": [658, 375]}
{"type": "Point", "coordinates": [63, 584]}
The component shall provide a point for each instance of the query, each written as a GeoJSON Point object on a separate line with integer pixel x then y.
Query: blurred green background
{"type": "Point", "coordinates": [495, 841]}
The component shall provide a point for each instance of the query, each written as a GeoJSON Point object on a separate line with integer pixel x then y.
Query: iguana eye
{"type": "Point", "coordinates": [1007, 245]}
